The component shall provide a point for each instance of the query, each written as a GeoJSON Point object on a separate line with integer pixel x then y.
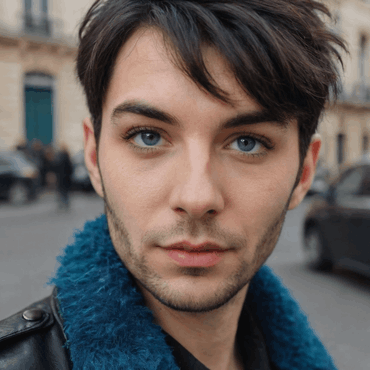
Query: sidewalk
{"type": "Point", "coordinates": [46, 202]}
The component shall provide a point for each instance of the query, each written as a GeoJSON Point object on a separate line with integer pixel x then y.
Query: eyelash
{"type": "Point", "coordinates": [137, 130]}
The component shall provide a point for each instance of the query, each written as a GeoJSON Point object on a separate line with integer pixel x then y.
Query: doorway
{"type": "Point", "coordinates": [39, 108]}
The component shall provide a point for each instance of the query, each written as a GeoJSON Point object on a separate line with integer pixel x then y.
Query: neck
{"type": "Point", "coordinates": [210, 336]}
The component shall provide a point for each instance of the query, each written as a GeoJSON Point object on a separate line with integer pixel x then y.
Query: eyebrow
{"type": "Point", "coordinates": [149, 111]}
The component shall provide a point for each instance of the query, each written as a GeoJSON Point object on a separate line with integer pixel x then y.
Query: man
{"type": "Point", "coordinates": [63, 169]}
{"type": "Point", "coordinates": [201, 138]}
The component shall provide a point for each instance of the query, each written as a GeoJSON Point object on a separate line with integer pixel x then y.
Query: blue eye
{"type": "Point", "coordinates": [149, 138]}
{"type": "Point", "coordinates": [247, 145]}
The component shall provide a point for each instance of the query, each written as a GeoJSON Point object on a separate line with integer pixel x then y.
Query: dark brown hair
{"type": "Point", "coordinates": [280, 51]}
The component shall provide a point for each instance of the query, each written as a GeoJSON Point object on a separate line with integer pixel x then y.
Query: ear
{"type": "Point", "coordinates": [308, 173]}
{"type": "Point", "coordinates": [91, 156]}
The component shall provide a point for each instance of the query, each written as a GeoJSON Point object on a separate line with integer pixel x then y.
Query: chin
{"type": "Point", "coordinates": [185, 294]}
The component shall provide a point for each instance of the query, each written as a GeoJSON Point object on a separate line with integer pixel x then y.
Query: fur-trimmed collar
{"type": "Point", "coordinates": [109, 327]}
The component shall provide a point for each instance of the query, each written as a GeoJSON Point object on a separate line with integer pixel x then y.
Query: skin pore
{"type": "Point", "coordinates": [187, 176]}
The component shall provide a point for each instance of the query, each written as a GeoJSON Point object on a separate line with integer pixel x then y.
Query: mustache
{"type": "Point", "coordinates": [184, 229]}
{"type": "Point", "coordinates": [166, 235]}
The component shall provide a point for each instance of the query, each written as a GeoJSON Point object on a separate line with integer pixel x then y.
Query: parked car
{"type": "Point", "coordinates": [320, 182]}
{"type": "Point", "coordinates": [337, 224]}
{"type": "Point", "coordinates": [19, 178]}
{"type": "Point", "coordinates": [80, 174]}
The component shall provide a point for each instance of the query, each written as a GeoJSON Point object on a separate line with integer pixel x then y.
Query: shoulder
{"type": "Point", "coordinates": [33, 338]}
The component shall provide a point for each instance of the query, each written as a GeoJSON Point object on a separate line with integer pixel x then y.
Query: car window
{"type": "Point", "coordinates": [4, 162]}
{"type": "Point", "coordinates": [16, 160]}
{"type": "Point", "coordinates": [350, 183]}
{"type": "Point", "coordinates": [20, 159]}
{"type": "Point", "coordinates": [365, 188]}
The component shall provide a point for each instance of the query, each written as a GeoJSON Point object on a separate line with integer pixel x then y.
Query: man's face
{"type": "Point", "coordinates": [192, 181]}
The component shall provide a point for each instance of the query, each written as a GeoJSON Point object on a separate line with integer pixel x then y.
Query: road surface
{"type": "Point", "coordinates": [338, 304]}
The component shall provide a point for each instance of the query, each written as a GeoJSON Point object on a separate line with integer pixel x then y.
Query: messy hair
{"type": "Point", "coordinates": [281, 52]}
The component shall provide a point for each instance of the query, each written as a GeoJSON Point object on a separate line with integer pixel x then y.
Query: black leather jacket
{"type": "Point", "coordinates": [33, 339]}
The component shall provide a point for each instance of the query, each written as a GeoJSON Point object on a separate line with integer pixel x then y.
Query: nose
{"type": "Point", "coordinates": [197, 191]}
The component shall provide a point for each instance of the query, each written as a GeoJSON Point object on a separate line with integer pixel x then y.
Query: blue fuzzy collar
{"type": "Point", "coordinates": [109, 327]}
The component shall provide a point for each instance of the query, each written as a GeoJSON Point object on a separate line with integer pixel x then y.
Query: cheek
{"type": "Point", "coordinates": [132, 189]}
{"type": "Point", "coordinates": [261, 199]}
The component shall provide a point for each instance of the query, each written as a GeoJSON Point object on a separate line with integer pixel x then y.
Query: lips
{"type": "Point", "coordinates": [191, 255]}
{"type": "Point", "coordinates": [185, 245]}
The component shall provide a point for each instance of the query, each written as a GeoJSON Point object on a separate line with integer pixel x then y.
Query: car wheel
{"type": "Point", "coordinates": [316, 251]}
{"type": "Point", "coordinates": [18, 194]}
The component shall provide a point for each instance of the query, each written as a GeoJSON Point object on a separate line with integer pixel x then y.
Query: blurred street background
{"type": "Point", "coordinates": [337, 303]}
{"type": "Point", "coordinates": [323, 255]}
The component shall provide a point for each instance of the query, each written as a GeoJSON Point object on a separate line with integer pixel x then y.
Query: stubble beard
{"type": "Point", "coordinates": [148, 279]}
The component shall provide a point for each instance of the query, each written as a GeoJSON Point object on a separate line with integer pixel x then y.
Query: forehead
{"type": "Point", "coordinates": [145, 69]}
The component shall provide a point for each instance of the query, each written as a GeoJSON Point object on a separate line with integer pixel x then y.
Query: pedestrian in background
{"type": "Point", "coordinates": [49, 166]}
{"type": "Point", "coordinates": [63, 172]}
{"type": "Point", "coordinates": [37, 155]}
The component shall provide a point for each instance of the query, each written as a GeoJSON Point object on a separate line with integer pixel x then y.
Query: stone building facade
{"type": "Point", "coordinates": [40, 96]}
{"type": "Point", "coordinates": [345, 127]}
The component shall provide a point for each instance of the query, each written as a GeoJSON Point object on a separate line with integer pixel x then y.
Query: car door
{"type": "Point", "coordinates": [353, 206]}
{"type": "Point", "coordinates": [334, 216]}
{"type": "Point", "coordinates": [6, 176]}
{"type": "Point", "coordinates": [359, 221]}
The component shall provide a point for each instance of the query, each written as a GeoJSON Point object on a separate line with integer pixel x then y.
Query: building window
{"type": "Point", "coordinates": [363, 68]}
{"type": "Point", "coordinates": [363, 57]}
{"type": "Point", "coordinates": [365, 143]}
{"type": "Point", "coordinates": [337, 20]}
{"type": "Point", "coordinates": [36, 20]}
{"type": "Point", "coordinates": [340, 148]}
